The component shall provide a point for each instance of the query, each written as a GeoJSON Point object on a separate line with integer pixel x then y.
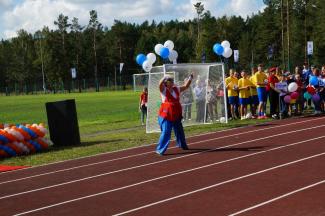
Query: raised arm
{"type": "Point", "coordinates": [187, 84]}
{"type": "Point", "coordinates": [162, 84]}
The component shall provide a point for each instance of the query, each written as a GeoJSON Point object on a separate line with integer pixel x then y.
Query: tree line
{"type": "Point", "coordinates": [276, 36]}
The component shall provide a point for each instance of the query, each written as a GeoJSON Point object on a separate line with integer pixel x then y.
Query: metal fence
{"type": "Point", "coordinates": [83, 85]}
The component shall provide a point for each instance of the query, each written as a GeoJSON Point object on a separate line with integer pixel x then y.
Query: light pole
{"type": "Point", "coordinates": [305, 28]}
{"type": "Point", "coordinates": [288, 32]}
{"type": "Point", "coordinates": [39, 36]}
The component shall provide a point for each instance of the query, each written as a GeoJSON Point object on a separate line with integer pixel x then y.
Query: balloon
{"type": "Point", "coordinates": [169, 44]}
{"type": "Point", "coordinates": [151, 57]}
{"type": "Point", "coordinates": [293, 101]}
{"type": "Point", "coordinates": [292, 87]}
{"type": "Point", "coordinates": [294, 95]}
{"type": "Point", "coordinates": [287, 99]}
{"type": "Point", "coordinates": [313, 80]}
{"type": "Point", "coordinates": [140, 59]}
{"type": "Point", "coordinates": [222, 120]}
{"type": "Point", "coordinates": [316, 98]}
{"type": "Point", "coordinates": [173, 55]}
{"type": "Point", "coordinates": [218, 49]}
{"type": "Point", "coordinates": [307, 96]}
{"type": "Point", "coordinates": [227, 52]}
{"type": "Point", "coordinates": [225, 44]}
{"type": "Point", "coordinates": [158, 48]}
{"type": "Point", "coordinates": [164, 52]}
{"type": "Point", "coordinates": [311, 90]}
{"type": "Point", "coordinates": [147, 66]}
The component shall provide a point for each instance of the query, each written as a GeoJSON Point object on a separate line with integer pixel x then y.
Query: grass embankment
{"type": "Point", "coordinates": [108, 121]}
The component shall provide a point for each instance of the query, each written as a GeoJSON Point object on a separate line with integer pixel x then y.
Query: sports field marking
{"type": "Point", "coordinates": [220, 131]}
{"type": "Point", "coordinates": [152, 163]}
{"type": "Point", "coordinates": [145, 153]}
{"type": "Point", "coordinates": [170, 175]}
{"type": "Point", "coordinates": [278, 198]}
{"type": "Point", "coordinates": [219, 184]}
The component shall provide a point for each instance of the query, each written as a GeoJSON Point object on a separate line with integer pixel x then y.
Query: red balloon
{"type": "Point", "coordinates": [294, 95]}
{"type": "Point", "coordinates": [311, 90]}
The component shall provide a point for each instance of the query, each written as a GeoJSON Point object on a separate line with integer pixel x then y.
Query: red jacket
{"type": "Point", "coordinates": [170, 108]}
{"type": "Point", "coordinates": [144, 98]}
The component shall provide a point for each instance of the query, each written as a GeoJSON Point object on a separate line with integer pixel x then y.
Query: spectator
{"type": "Point", "coordinates": [244, 85]}
{"type": "Point", "coordinates": [199, 95]}
{"type": "Point", "coordinates": [187, 100]}
{"type": "Point", "coordinates": [143, 105]}
{"type": "Point", "coordinates": [260, 80]}
{"type": "Point", "coordinates": [232, 90]}
{"type": "Point", "coordinates": [273, 94]}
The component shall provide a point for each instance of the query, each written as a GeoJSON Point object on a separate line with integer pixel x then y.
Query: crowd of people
{"type": "Point", "coordinates": [284, 93]}
{"type": "Point", "coordinates": [249, 95]}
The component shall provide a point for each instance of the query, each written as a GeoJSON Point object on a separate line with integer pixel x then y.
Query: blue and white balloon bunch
{"type": "Point", "coordinates": [223, 49]}
{"type": "Point", "coordinates": [146, 61]}
{"type": "Point", "coordinates": [167, 51]}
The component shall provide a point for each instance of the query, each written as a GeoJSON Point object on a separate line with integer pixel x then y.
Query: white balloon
{"type": "Point", "coordinates": [173, 55]}
{"type": "Point", "coordinates": [225, 44]}
{"type": "Point", "coordinates": [169, 44]}
{"type": "Point", "coordinates": [222, 120]}
{"type": "Point", "coordinates": [158, 48]}
{"type": "Point", "coordinates": [151, 57]}
{"type": "Point", "coordinates": [147, 66]}
{"type": "Point", "coordinates": [227, 52]}
{"type": "Point", "coordinates": [292, 87]}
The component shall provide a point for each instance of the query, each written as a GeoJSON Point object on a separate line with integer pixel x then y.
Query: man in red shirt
{"type": "Point", "coordinates": [170, 113]}
{"type": "Point", "coordinates": [273, 94]}
{"type": "Point", "coordinates": [143, 105]}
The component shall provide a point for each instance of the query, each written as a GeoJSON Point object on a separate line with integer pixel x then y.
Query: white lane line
{"type": "Point", "coordinates": [106, 153]}
{"type": "Point", "coordinates": [145, 153]}
{"type": "Point", "coordinates": [219, 184]}
{"type": "Point", "coordinates": [153, 163]}
{"type": "Point", "coordinates": [278, 198]}
{"type": "Point", "coordinates": [170, 175]}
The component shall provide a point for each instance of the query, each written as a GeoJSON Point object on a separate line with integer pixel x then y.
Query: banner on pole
{"type": "Point", "coordinates": [310, 47]}
{"type": "Point", "coordinates": [236, 55]}
{"type": "Point", "coordinates": [73, 73]}
{"type": "Point", "coordinates": [121, 67]}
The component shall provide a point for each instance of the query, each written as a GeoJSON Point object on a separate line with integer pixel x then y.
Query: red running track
{"type": "Point", "coordinates": [271, 169]}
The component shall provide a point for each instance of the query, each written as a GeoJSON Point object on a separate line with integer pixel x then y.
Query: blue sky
{"type": "Point", "coordinates": [32, 15]}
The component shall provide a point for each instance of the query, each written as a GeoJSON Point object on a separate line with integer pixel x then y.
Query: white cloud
{"type": "Point", "coordinates": [245, 7]}
{"type": "Point", "coordinates": [33, 15]}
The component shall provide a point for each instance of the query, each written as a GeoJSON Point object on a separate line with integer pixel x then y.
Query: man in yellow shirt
{"type": "Point", "coordinates": [232, 92]}
{"type": "Point", "coordinates": [253, 97]}
{"type": "Point", "coordinates": [260, 80]}
{"type": "Point", "coordinates": [244, 86]}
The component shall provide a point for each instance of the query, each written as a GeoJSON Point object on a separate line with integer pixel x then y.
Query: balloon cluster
{"type": "Point", "coordinates": [311, 90]}
{"type": "Point", "coordinates": [146, 61]}
{"type": "Point", "coordinates": [222, 49]}
{"type": "Point", "coordinates": [22, 139]}
{"type": "Point", "coordinates": [293, 96]}
{"type": "Point", "coordinates": [167, 51]}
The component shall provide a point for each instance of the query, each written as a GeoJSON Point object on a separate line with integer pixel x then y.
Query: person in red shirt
{"type": "Point", "coordinates": [273, 94]}
{"type": "Point", "coordinates": [143, 105]}
{"type": "Point", "coordinates": [300, 91]}
{"type": "Point", "coordinates": [170, 113]}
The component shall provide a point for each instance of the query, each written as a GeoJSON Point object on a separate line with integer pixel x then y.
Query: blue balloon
{"type": "Point", "coordinates": [164, 52]}
{"type": "Point", "coordinates": [140, 59]}
{"type": "Point", "coordinates": [218, 49]}
{"type": "Point", "coordinates": [313, 80]}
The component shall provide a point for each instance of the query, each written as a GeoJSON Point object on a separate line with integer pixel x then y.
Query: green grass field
{"type": "Point", "coordinates": [108, 121]}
